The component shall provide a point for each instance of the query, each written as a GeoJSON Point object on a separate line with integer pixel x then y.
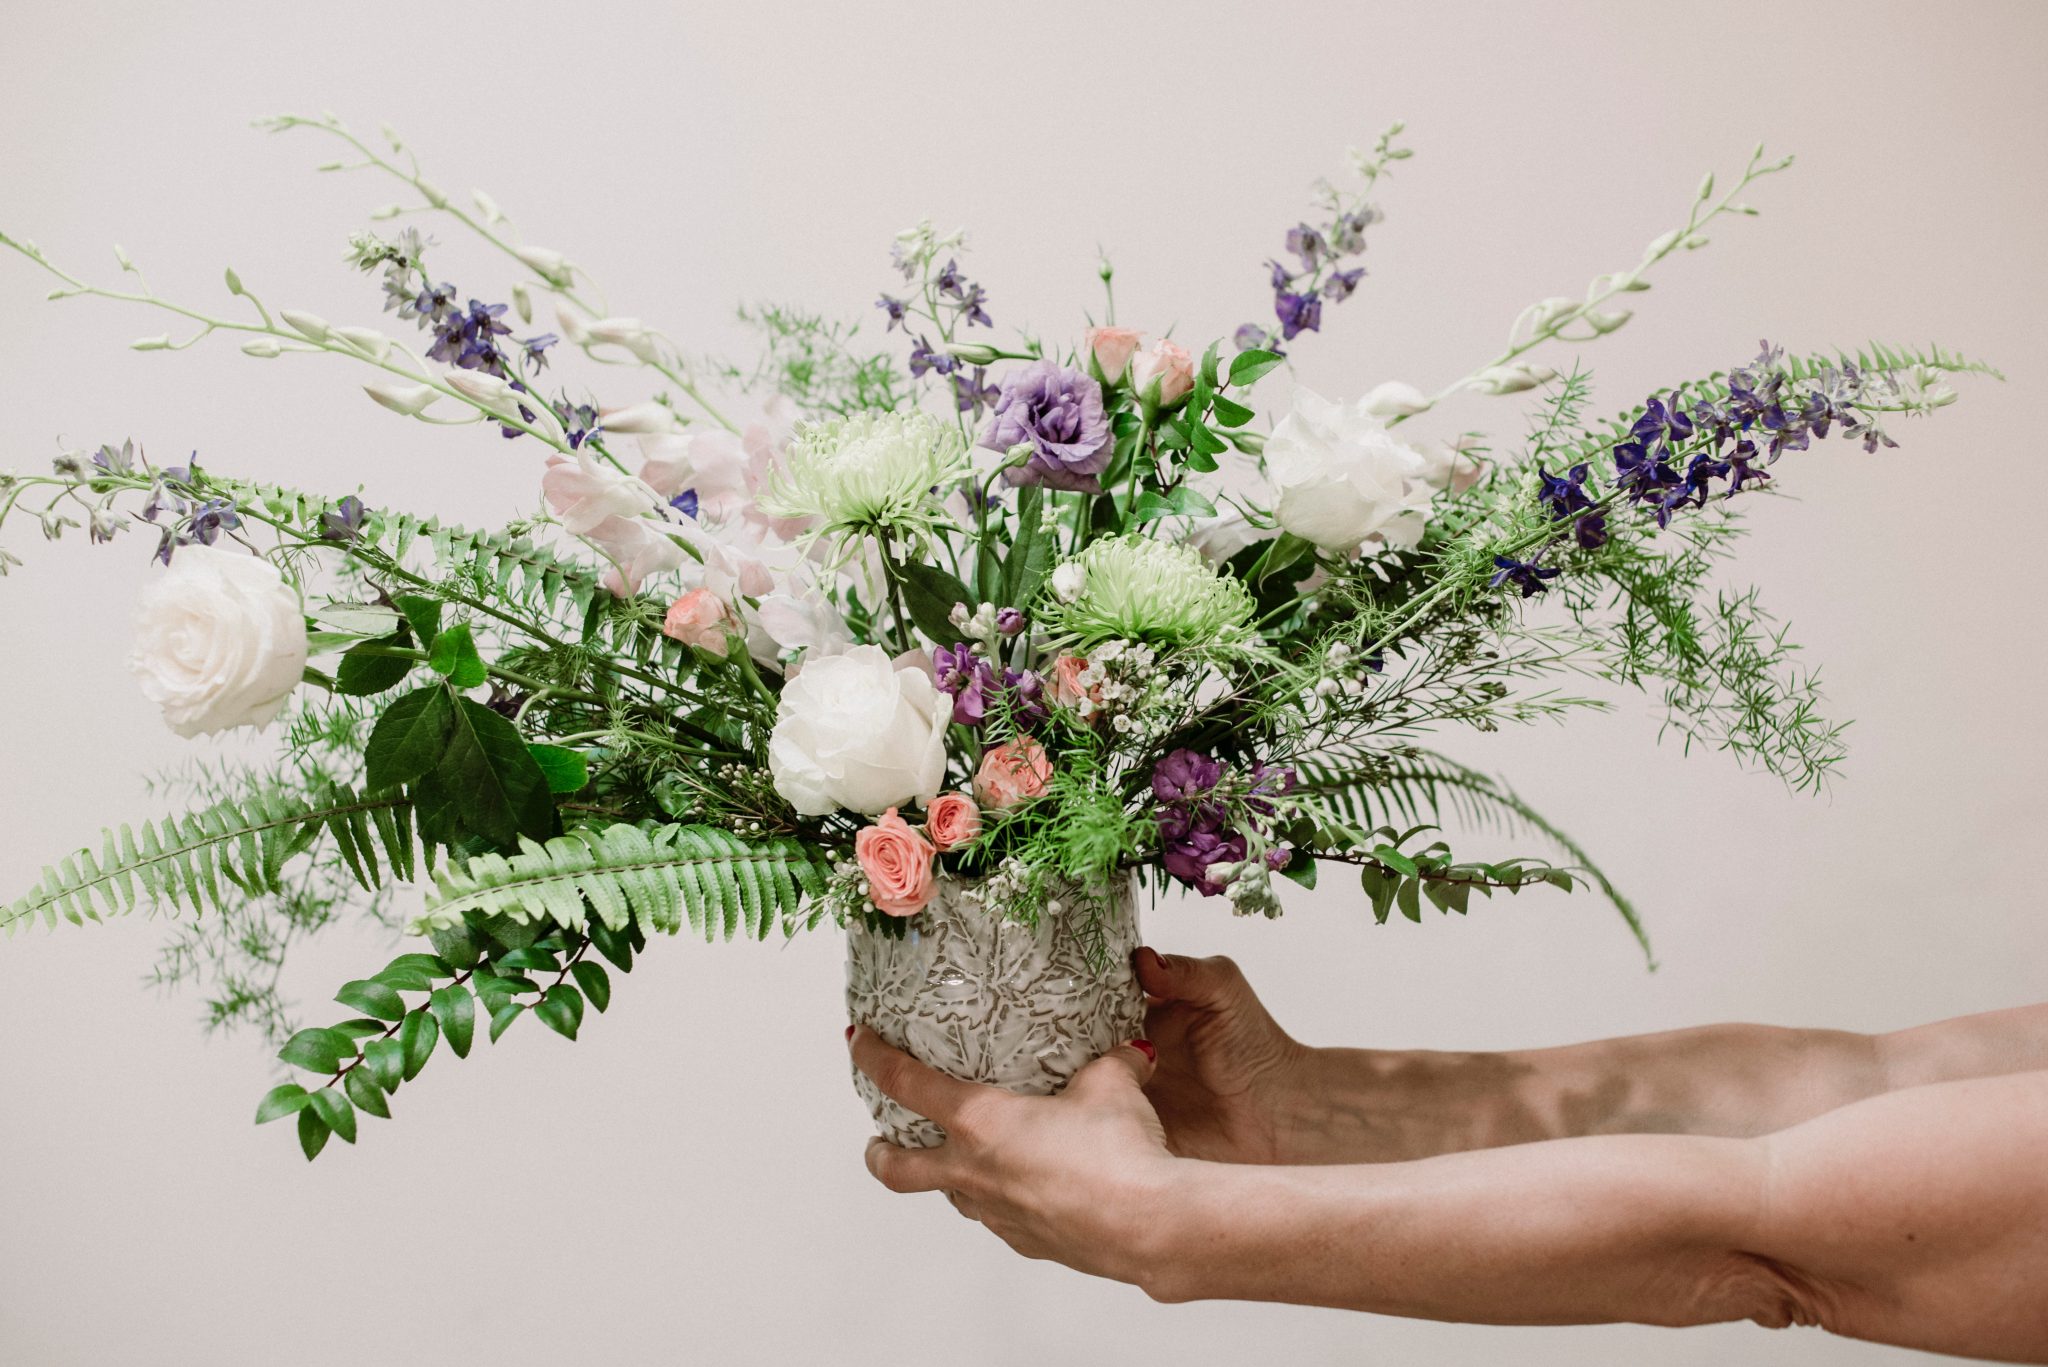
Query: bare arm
{"type": "Point", "coordinates": [1918, 1218]}
{"type": "Point", "coordinates": [1233, 1086]}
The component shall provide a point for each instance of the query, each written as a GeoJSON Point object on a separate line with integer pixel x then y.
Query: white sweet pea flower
{"type": "Point", "coordinates": [854, 731]}
{"type": "Point", "coordinates": [1343, 478]}
{"type": "Point", "coordinates": [574, 325]}
{"type": "Point", "coordinates": [584, 492]}
{"type": "Point", "coordinates": [804, 621]}
{"type": "Point", "coordinates": [1220, 537]}
{"type": "Point", "coordinates": [220, 641]}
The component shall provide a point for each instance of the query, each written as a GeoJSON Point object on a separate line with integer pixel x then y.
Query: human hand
{"type": "Point", "coordinates": [1078, 1178]}
{"type": "Point", "coordinates": [1228, 1075]}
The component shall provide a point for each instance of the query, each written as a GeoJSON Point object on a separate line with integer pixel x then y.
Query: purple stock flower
{"type": "Point", "coordinates": [1010, 622]}
{"type": "Point", "coordinates": [1184, 776]}
{"type": "Point", "coordinates": [1056, 410]}
{"type": "Point", "coordinates": [967, 679]}
{"type": "Point", "coordinates": [1189, 857]}
{"type": "Point", "coordinates": [1027, 694]}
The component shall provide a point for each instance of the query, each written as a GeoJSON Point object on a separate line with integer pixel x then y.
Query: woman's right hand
{"type": "Point", "coordinates": [1229, 1078]}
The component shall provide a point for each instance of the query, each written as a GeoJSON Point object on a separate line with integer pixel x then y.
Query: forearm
{"type": "Point", "coordinates": [1363, 1105]}
{"type": "Point", "coordinates": [1635, 1228]}
{"type": "Point", "coordinates": [1917, 1218]}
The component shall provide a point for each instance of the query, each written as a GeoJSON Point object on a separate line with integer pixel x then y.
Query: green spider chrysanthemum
{"type": "Point", "coordinates": [872, 472]}
{"type": "Point", "coordinates": [1136, 589]}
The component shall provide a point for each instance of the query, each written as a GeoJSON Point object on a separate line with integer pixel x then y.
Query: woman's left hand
{"type": "Point", "coordinates": [1079, 1178]}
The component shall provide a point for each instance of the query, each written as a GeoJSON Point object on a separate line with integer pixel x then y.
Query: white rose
{"type": "Point", "coordinates": [1343, 478]}
{"type": "Point", "coordinates": [220, 641]}
{"type": "Point", "coordinates": [855, 731]}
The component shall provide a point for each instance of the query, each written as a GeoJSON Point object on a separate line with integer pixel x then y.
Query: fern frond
{"type": "Point", "coordinates": [243, 842]}
{"type": "Point", "coordinates": [650, 877]}
{"type": "Point", "coordinates": [497, 564]}
{"type": "Point", "coordinates": [1426, 787]}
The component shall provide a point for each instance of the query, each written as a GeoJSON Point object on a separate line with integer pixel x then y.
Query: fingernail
{"type": "Point", "coordinates": [1145, 1047]}
{"type": "Point", "coordinates": [849, 1032]}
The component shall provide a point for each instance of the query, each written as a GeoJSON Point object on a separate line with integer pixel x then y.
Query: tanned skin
{"type": "Point", "coordinates": [1887, 1187]}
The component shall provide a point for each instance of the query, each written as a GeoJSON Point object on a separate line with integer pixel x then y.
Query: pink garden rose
{"type": "Point", "coordinates": [951, 820]}
{"type": "Point", "coordinates": [897, 863]}
{"type": "Point", "coordinates": [1013, 772]}
{"type": "Point", "coordinates": [699, 619]}
{"type": "Point", "coordinates": [1109, 351]}
{"type": "Point", "coordinates": [1163, 373]}
{"type": "Point", "coordinates": [1067, 689]}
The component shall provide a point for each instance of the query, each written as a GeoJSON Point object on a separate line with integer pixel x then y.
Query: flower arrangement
{"type": "Point", "coordinates": [1034, 616]}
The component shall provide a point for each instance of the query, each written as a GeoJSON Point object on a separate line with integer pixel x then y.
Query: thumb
{"type": "Point", "coordinates": [1198, 982]}
{"type": "Point", "coordinates": [1126, 1068]}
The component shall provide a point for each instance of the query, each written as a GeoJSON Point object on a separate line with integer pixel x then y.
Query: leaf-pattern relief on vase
{"type": "Point", "coordinates": [1019, 1006]}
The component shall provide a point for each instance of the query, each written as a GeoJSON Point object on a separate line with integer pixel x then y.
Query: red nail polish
{"type": "Point", "coordinates": [849, 1032]}
{"type": "Point", "coordinates": [1145, 1047]}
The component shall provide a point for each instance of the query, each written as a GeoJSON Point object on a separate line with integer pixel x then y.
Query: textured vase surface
{"type": "Point", "coordinates": [1020, 1006]}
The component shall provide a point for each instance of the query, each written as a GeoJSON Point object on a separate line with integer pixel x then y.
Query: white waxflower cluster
{"type": "Point", "coordinates": [1120, 682]}
{"type": "Point", "coordinates": [1341, 681]}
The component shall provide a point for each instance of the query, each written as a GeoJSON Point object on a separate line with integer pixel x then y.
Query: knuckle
{"type": "Point", "coordinates": [1224, 968]}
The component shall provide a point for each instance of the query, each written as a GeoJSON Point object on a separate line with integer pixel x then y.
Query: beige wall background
{"type": "Point", "coordinates": [685, 1185]}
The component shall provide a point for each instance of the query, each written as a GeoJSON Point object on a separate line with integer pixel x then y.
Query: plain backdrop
{"type": "Point", "coordinates": [685, 1184]}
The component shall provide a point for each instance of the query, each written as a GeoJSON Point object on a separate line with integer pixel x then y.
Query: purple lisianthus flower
{"type": "Point", "coordinates": [1189, 858]}
{"type": "Point", "coordinates": [1056, 410]}
{"type": "Point", "coordinates": [1010, 622]}
{"type": "Point", "coordinates": [967, 679]}
{"type": "Point", "coordinates": [1184, 775]}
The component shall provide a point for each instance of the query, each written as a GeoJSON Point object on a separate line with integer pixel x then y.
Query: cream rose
{"type": "Point", "coordinates": [1343, 478]}
{"type": "Point", "coordinates": [855, 731]}
{"type": "Point", "coordinates": [220, 641]}
{"type": "Point", "coordinates": [1163, 373]}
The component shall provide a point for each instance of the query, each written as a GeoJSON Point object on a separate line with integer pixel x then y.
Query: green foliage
{"type": "Point", "coordinates": [1424, 789]}
{"type": "Point", "coordinates": [814, 362]}
{"type": "Point", "coordinates": [471, 773]}
{"type": "Point", "coordinates": [203, 858]}
{"type": "Point", "coordinates": [646, 877]}
{"type": "Point", "coordinates": [1397, 879]}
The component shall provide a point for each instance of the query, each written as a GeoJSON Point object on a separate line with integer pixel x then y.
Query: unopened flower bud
{"type": "Point", "coordinates": [487, 391]}
{"type": "Point", "coordinates": [574, 325]}
{"type": "Point", "coordinates": [629, 333]}
{"type": "Point", "coordinates": [311, 326]}
{"type": "Point", "coordinates": [369, 341]}
{"type": "Point", "coordinates": [1604, 322]}
{"type": "Point", "coordinates": [1109, 351]}
{"type": "Point", "coordinates": [487, 206]}
{"type": "Point", "coordinates": [550, 266]}
{"type": "Point", "coordinates": [973, 353]}
{"type": "Point", "coordinates": [264, 348]}
{"type": "Point", "coordinates": [1010, 622]}
{"type": "Point", "coordinates": [1068, 581]}
{"type": "Point", "coordinates": [641, 419]}
{"type": "Point", "coordinates": [408, 399]}
{"type": "Point", "coordinates": [1395, 399]}
{"type": "Point", "coordinates": [160, 342]}
{"type": "Point", "coordinates": [522, 302]}
{"type": "Point", "coordinates": [387, 211]}
{"type": "Point", "coordinates": [1512, 378]}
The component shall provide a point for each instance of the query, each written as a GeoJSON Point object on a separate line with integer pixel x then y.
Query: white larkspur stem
{"type": "Point", "coordinates": [1396, 399]}
{"type": "Point", "coordinates": [369, 341]}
